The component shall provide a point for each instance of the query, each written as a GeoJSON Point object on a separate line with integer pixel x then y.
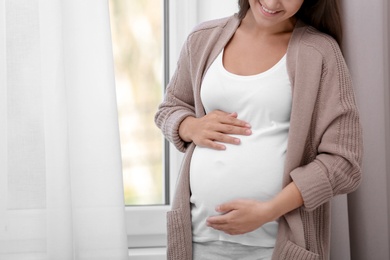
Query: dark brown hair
{"type": "Point", "coordinates": [324, 15]}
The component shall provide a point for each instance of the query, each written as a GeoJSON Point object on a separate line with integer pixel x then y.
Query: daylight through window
{"type": "Point", "coordinates": [138, 38]}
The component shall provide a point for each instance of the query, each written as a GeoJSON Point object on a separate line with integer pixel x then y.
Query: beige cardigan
{"type": "Point", "coordinates": [325, 141]}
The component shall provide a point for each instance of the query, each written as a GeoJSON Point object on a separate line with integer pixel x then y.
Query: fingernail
{"type": "Point", "coordinates": [248, 131]}
{"type": "Point", "coordinates": [248, 125]}
{"type": "Point", "coordinates": [237, 141]}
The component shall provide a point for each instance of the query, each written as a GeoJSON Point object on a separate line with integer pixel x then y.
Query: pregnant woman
{"type": "Point", "coordinates": [263, 107]}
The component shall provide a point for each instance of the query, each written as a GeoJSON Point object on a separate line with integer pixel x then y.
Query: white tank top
{"type": "Point", "coordinates": [254, 168]}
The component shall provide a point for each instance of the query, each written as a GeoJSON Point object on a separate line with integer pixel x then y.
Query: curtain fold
{"type": "Point", "coordinates": [61, 191]}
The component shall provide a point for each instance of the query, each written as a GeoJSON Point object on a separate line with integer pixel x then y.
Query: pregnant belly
{"type": "Point", "coordinates": [239, 172]}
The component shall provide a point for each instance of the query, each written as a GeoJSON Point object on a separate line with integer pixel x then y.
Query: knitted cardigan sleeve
{"type": "Point", "coordinates": [335, 134]}
{"type": "Point", "coordinates": [178, 102]}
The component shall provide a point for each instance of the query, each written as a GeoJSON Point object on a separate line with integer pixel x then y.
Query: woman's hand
{"type": "Point", "coordinates": [245, 215]}
{"type": "Point", "coordinates": [241, 216]}
{"type": "Point", "coordinates": [217, 126]}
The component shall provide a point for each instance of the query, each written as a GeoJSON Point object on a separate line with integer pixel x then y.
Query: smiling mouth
{"type": "Point", "coordinates": [267, 10]}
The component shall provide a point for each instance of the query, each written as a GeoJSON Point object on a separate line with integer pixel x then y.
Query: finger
{"type": "Point", "coordinates": [221, 227]}
{"type": "Point", "coordinates": [234, 121]}
{"type": "Point", "coordinates": [227, 207]}
{"type": "Point", "coordinates": [229, 118]}
{"type": "Point", "coordinates": [216, 140]}
{"type": "Point", "coordinates": [213, 145]}
{"type": "Point", "coordinates": [224, 138]}
{"type": "Point", "coordinates": [226, 229]}
{"type": "Point", "coordinates": [234, 114]}
{"type": "Point", "coordinates": [221, 112]}
{"type": "Point", "coordinates": [217, 220]}
{"type": "Point", "coordinates": [231, 129]}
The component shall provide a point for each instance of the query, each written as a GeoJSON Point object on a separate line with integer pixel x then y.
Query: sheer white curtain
{"type": "Point", "coordinates": [61, 193]}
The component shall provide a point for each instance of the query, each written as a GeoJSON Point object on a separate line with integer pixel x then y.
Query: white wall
{"type": "Point", "coordinates": [211, 9]}
{"type": "Point", "coordinates": [366, 48]}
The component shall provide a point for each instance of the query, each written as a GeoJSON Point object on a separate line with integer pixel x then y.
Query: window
{"type": "Point", "coordinates": [138, 34]}
{"type": "Point", "coordinates": [146, 223]}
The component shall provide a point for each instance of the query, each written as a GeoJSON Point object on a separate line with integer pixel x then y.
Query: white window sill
{"type": "Point", "coordinates": [155, 253]}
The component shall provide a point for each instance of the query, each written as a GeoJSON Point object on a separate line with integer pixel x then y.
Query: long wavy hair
{"type": "Point", "coordinates": [324, 15]}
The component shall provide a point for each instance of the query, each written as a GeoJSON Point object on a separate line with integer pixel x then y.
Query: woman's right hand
{"type": "Point", "coordinates": [213, 129]}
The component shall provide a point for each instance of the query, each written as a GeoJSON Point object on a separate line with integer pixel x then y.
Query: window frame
{"type": "Point", "coordinates": [146, 225]}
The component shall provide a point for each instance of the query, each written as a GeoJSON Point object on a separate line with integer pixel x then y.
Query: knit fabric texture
{"type": "Point", "coordinates": [324, 151]}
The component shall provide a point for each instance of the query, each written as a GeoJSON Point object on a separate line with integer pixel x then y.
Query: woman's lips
{"type": "Point", "coordinates": [267, 11]}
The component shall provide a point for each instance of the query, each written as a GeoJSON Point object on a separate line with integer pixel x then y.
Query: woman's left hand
{"type": "Point", "coordinates": [241, 216]}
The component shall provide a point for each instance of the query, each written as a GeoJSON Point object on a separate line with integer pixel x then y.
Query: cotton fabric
{"type": "Point", "coordinates": [61, 184]}
{"type": "Point", "coordinates": [252, 169]}
{"type": "Point", "coordinates": [218, 250]}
